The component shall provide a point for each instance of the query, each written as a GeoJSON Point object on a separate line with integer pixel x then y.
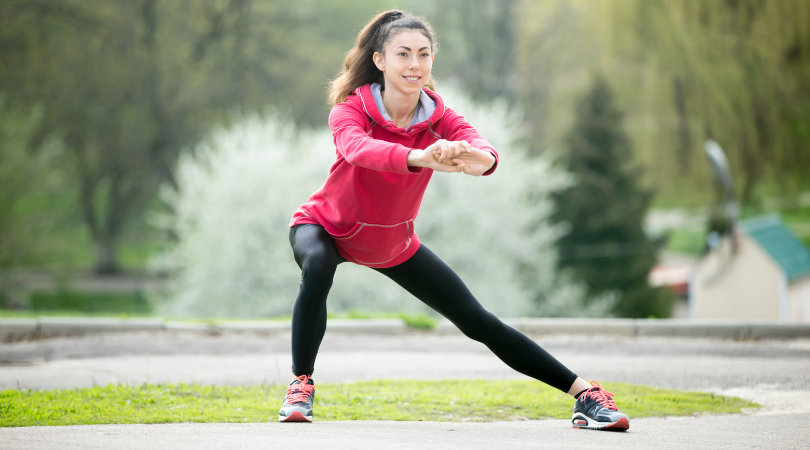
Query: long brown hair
{"type": "Point", "coordinates": [359, 68]}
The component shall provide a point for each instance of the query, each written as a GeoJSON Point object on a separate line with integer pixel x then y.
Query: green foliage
{"type": "Point", "coordinates": [684, 71]}
{"type": "Point", "coordinates": [124, 87]}
{"type": "Point", "coordinates": [18, 173]}
{"type": "Point", "coordinates": [606, 247]}
{"type": "Point", "coordinates": [738, 74]}
{"type": "Point", "coordinates": [479, 39]}
{"type": "Point", "coordinates": [451, 401]}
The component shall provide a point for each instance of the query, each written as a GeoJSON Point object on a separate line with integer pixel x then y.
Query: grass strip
{"type": "Point", "coordinates": [445, 400]}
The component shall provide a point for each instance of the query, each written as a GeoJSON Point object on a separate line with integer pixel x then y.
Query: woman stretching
{"type": "Point", "coordinates": [392, 131]}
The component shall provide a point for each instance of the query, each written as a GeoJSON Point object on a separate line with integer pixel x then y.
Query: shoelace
{"type": "Point", "coordinates": [299, 392]}
{"type": "Point", "coordinates": [601, 396]}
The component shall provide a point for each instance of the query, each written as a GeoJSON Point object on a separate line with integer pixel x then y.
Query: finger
{"type": "Point", "coordinates": [445, 151]}
{"type": "Point", "coordinates": [458, 148]}
{"type": "Point", "coordinates": [463, 167]}
{"type": "Point", "coordinates": [467, 147]}
{"type": "Point", "coordinates": [448, 168]}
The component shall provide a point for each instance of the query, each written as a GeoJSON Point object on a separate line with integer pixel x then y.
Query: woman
{"type": "Point", "coordinates": [391, 132]}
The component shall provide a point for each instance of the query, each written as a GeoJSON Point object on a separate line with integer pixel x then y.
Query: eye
{"type": "Point", "coordinates": [425, 55]}
{"type": "Point", "coordinates": [402, 54]}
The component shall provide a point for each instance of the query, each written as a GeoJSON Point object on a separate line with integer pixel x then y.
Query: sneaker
{"type": "Point", "coordinates": [596, 410]}
{"type": "Point", "coordinates": [297, 405]}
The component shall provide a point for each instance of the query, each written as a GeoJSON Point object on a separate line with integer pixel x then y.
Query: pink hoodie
{"type": "Point", "coordinates": [371, 197]}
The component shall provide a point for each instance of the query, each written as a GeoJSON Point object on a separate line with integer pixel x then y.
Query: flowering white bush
{"type": "Point", "coordinates": [236, 196]}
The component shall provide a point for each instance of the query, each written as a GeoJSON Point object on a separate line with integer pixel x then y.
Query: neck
{"type": "Point", "coordinates": [400, 106]}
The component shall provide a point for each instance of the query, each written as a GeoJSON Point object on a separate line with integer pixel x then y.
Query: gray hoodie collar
{"type": "Point", "coordinates": [424, 109]}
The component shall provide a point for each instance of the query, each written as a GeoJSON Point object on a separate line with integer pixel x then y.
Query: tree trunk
{"type": "Point", "coordinates": [684, 146]}
{"type": "Point", "coordinates": [106, 251]}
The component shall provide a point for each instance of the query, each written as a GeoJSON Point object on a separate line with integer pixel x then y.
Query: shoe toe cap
{"type": "Point", "coordinates": [287, 410]}
{"type": "Point", "coordinates": [607, 415]}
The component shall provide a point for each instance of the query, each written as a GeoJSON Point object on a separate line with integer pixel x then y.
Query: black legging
{"type": "Point", "coordinates": [430, 280]}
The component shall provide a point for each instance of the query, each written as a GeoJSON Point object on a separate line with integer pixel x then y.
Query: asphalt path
{"type": "Point", "coordinates": [774, 373]}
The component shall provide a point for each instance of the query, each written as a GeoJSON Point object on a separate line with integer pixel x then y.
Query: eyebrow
{"type": "Point", "coordinates": [409, 49]}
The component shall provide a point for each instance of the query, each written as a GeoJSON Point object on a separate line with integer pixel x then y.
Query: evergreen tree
{"type": "Point", "coordinates": [605, 208]}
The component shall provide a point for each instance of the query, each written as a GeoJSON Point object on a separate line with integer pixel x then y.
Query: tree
{"type": "Point", "coordinates": [232, 257]}
{"type": "Point", "coordinates": [479, 38]}
{"type": "Point", "coordinates": [605, 208]}
{"type": "Point", "coordinates": [124, 87]}
{"type": "Point", "coordinates": [684, 71]}
{"type": "Point", "coordinates": [738, 71]}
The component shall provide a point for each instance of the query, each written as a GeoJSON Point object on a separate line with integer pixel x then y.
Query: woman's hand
{"type": "Point", "coordinates": [426, 158]}
{"type": "Point", "coordinates": [475, 162]}
{"type": "Point", "coordinates": [444, 150]}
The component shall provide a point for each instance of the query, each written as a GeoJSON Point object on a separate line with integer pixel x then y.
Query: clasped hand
{"type": "Point", "coordinates": [453, 156]}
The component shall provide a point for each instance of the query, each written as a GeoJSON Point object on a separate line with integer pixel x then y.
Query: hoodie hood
{"type": "Point", "coordinates": [425, 107]}
{"type": "Point", "coordinates": [429, 111]}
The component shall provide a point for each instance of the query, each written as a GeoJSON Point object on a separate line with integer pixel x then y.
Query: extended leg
{"type": "Point", "coordinates": [432, 281]}
{"type": "Point", "coordinates": [318, 258]}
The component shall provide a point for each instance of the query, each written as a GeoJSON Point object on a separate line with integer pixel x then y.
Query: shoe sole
{"type": "Point", "coordinates": [619, 425]}
{"type": "Point", "coordinates": [294, 417]}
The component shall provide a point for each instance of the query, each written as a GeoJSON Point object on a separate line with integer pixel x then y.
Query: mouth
{"type": "Point", "coordinates": [412, 78]}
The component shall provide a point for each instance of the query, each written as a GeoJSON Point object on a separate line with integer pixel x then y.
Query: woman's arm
{"type": "Point", "coordinates": [477, 162]}
{"type": "Point", "coordinates": [427, 158]}
{"type": "Point", "coordinates": [456, 128]}
{"type": "Point", "coordinates": [360, 149]}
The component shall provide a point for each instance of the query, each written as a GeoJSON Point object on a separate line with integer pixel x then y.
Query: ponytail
{"type": "Point", "coordinates": [358, 66]}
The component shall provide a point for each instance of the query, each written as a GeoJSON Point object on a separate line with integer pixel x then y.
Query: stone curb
{"type": "Point", "coordinates": [620, 327]}
{"type": "Point", "coordinates": [653, 327]}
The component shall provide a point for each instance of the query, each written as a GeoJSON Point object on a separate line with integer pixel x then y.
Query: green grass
{"type": "Point", "coordinates": [686, 241]}
{"type": "Point", "coordinates": [452, 401]}
{"type": "Point", "coordinates": [798, 220]}
{"type": "Point", "coordinates": [418, 321]}
{"type": "Point", "coordinates": [28, 314]}
{"type": "Point", "coordinates": [67, 300]}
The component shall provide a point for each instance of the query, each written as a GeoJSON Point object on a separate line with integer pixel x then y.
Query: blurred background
{"type": "Point", "coordinates": [153, 151]}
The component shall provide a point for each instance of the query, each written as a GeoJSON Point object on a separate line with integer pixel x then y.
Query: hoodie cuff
{"type": "Point", "coordinates": [399, 161]}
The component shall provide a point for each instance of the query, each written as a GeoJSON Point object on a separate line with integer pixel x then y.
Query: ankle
{"type": "Point", "coordinates": [579, 386]}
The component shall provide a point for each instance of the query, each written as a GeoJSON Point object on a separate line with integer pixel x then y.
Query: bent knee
{"type": "Point", "coordinates": [319, 265]}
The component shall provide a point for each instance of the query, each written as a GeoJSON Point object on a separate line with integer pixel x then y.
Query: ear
{"type": "Point", "coordinates": [379, 61]}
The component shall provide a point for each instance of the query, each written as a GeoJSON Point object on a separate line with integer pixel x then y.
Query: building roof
{"type": "Point", "coordinates": [789, 253]}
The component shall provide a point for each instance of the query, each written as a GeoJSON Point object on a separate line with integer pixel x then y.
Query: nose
{"type": "Point", "coordinates": [413, 62]}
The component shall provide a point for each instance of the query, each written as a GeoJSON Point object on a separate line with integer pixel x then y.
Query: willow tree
{"type": "Point", "coordinates": [739, 73]}
{"type": "Point", "coordinates": [684, 71]}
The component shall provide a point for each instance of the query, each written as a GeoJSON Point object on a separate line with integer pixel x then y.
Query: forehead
{"type": "Point", "coordinates": [413, 39]}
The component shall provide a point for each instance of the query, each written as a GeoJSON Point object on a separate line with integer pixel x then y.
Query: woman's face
{"type": "Point", "coordinates": [406, 62]}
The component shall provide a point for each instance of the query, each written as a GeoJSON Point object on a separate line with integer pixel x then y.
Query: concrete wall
{"type": "Point", "coordinates": [799, 293]}
{"type": "Point", "coordinates": [749, 289]}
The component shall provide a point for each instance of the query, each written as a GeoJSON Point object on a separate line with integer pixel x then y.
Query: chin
{"type": "Point", "coordinates": [412, 88]}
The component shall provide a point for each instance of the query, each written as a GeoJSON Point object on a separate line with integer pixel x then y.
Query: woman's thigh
{"type": "Point", "coordinates": [433, 282]}
{"type": "Point", "coordinates": [313, 246]}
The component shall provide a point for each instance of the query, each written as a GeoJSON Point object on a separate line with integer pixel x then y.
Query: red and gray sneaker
{"type": "Point", "coordinates": [596, 410]}
{"type": "Point", "coordinates": [297, 405]}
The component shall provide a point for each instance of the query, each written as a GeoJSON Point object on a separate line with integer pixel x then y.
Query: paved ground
{"type": "Point", "coordinates": [723, 432]}
{"type": "Point", "coordinates": [773, 373]}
